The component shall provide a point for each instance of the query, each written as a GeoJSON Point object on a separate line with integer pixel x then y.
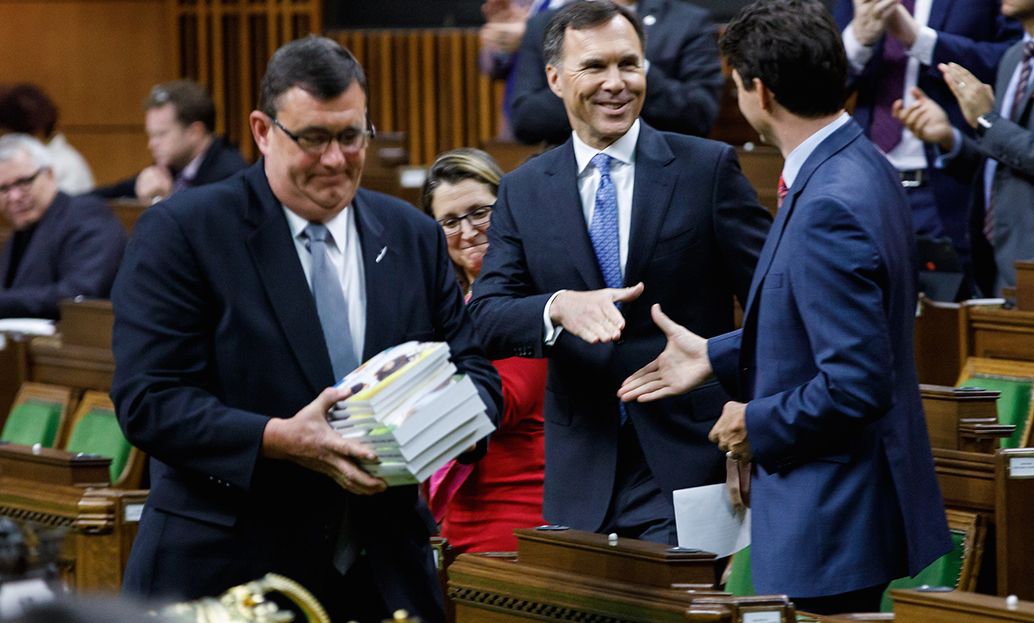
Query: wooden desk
{"type": "Point", "coordinates": [957, 607]}
{"type": "Point", "coordinates": [996, 333]}
{"type": "Point", "coordinates": [80, 355]}
{"type": "Point", "coordinates": [127, 211]}
{"type": "Point", "coordinates": [578, 576]}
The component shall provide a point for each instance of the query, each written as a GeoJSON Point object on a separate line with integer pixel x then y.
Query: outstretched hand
{"type": "Point", "coordinates": [307, 439]}
{"type": "Point", "coordinates": [682, 365]}
{"type": "Point", "coordinates": [593, 316]}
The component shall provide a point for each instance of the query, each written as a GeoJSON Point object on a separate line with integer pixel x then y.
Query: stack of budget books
{"type": "Point", "coordinates": [411, 407]}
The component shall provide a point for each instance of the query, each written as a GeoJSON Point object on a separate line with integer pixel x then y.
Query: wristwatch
{"type": "Point", "coordinates": [983, 124]}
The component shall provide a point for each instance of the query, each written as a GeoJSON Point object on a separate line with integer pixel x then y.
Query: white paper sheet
{"type": "Point", "coordinates": [705, 520]}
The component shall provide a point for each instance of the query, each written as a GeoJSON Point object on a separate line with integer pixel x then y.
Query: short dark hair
{"type": "Point", "coordinates": [319, 66]}
{"type": "Point", "coordinates": [582, 16]}
{"type": "Point", "coordinates": [26, 109]}
{"type": "Point", "coordinates": [795, 48]}
{"type": "Point", "coordinates": [190, 100]}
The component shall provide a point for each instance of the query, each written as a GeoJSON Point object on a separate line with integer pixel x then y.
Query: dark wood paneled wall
{"type": "Point", "coordinates": [97, 59]}
{"type": "Point", "coordinates": [225, 45]}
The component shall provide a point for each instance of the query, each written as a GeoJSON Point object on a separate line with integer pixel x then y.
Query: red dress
{"type": "Point", "coordinates": [503, 490]}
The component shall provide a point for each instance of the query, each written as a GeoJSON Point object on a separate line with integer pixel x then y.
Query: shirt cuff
{"type": "Point", "coordinates": [857, 54]}
{"type": "Point", "coordinates": [940, 161]}
{"type": "Point", "coordinates": [552, 333]}
{"type": "Point", "coordinates": [922, 49]}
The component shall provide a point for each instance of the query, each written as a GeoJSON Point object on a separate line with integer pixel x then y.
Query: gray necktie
{"type": "Point", "coordinates": [330, 302]}
{"type": "Point", "coordinates": [333, 313]}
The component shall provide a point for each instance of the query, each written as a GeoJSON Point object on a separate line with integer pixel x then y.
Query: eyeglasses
{"type": "Point", "coordinates": [21, 183]}
{"type": "Point", "coordinates": [478, 217]}
{"type": "Point", "coordinates": [316, 141]}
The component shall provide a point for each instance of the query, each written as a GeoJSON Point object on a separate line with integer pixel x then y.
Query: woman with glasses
{"type": "Point", "coordinates": [480, 505]}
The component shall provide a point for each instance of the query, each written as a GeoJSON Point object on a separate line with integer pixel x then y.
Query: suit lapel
{"type": "Point", "coordinates": [655, 9]}
{"type": "Point", "coordinates": [1008, 67]}
{"type": "Point", "coordinates": [939, 12]}
{"type": "Point", "coordinates": [276, 259]}
{"type": "Point", "coordinates": [37, 255]}
{"type": "Point", "coordinates": [651, 199]}
{"type": "Point", "coordinates": [825, 150]}
{"type": "Point", "coordinates": [564, 207]}
{"type": "Point", "coordinates": [381, 274]}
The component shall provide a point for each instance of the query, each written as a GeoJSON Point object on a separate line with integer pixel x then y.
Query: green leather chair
{"type": "Point", "coordinates": [1013, 405]}
{"type": "Point", "coordinates": [95, 430]}
{"type": "Point", "coordinates": [37, 415]}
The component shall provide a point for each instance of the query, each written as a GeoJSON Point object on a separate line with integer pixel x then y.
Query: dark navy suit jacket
{"type": "Point", "coordinates": [220, 162]}
{"type": "Point", "coordinates": [683, 85]}
{"type": "Point", "coordinates": [972, 33]}
{"type": "Point", "coordinates": [215, 332]}
{"type": "Point", "coordinates": [845, 495]}
{"type": "Point", "coordinates": [74, 251]}
{"type": "Point", "coordinates": [695, 237]}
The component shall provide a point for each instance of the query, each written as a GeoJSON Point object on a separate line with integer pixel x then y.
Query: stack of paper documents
{"type": "Point", "coordinates": [409, 405]}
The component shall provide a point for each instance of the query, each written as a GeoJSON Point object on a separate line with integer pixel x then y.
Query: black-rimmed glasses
{"type": "Point", "coordinates": [22, 183]}
{"type": "Point", "coordinates": [478, 217]}
{"type": "Point", "coordinates": [316, 141]}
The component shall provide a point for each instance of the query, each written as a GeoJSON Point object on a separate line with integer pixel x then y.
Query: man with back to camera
{"type": "Point", "coordinates": [180, 122]}
{"type": "Point", "coordinates": [62, 247]}
{"type": "Point", "coordinates": [844, 495]}
{"type": "Point", "coordinates": [229, 324]}
{"type": "Point", "coordinates": [583, 239]}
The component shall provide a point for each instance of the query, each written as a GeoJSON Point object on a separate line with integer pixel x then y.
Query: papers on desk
{"type": "Point", "coordinates": [28, 326]}
{"type": "Point", "coordinates": [706, 520]}
{"type": "Point", "coordinates": [412, 409]}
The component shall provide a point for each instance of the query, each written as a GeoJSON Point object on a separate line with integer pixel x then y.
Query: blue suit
{"type": "Point", "coordinates": [695, 236]}
{"type": "Point", "coordinates": [845, 496]}
{"type": "Point", "coordinates": [972, 33]}
{"type": "Point", "coordinates": [215, 332]}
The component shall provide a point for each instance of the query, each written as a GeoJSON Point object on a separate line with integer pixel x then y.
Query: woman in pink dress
{"type": "Point", "coordinates": [480, 505]}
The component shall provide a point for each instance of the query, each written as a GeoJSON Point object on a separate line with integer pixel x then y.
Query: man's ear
{"type": "Point", "coordinates": [553, 78]}
{"type": "Point", "coordinates": [766, 95]}
{"type": "Point", "coordinates": [260, 127]}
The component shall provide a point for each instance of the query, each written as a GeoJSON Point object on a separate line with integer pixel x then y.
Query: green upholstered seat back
{"type": "Point", "coordinates": [32, 422]}
{"type": "Point", "coordinates": [740, 582]}
{"type": "Point", "coordinates": [1013, 404]}
{"type": "Point", "coordinates": [943, 572]}
{"type": "Point", "coordinates": [98, 433]}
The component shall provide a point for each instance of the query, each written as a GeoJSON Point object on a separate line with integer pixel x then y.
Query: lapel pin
{"type": "Point", "coordinates": [649, 20]}
{"type": "Point", "coordinates": [380, 255]}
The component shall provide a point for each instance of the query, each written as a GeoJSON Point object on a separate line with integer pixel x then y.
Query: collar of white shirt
{"type": "Point", "coordinates": [337, 226]}
{"type": "Point", "coordinates": [622, 150]}
{"type": "Point", "coordinates": [800, 154]}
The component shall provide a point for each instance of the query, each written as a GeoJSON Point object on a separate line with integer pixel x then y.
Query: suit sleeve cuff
{"type": "Point", "coordinates": [942, 159]}
{"type": "Point", "coordinates": [551, 332]}
{"type": "Point", "coordinates": [857, 54]}
{"type": "Point", "coordinates": [922, 49]}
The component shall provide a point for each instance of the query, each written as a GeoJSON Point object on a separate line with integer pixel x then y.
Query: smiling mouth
{"type": "Point", "coordinates": [612, 105]}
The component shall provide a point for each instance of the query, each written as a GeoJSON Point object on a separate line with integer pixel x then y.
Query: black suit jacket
{"type": "Point", "coordinates": [683, 85]}
{"type": "Point", "coordinates": [220, 162]}
{"type": "Point", "coordinates": [695, 237]}
{"type": "Point", "coordinates": [215, 332]}
{"type": "Point", "coordinates": [75, 250]}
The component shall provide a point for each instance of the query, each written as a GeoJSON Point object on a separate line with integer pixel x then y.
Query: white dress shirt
{"type": "Point", "coordinates": [793, 163]}
{"type": "Point", "coordinates": [346, 256]}
{"type": "Point", "coordinates": [622, 174]}
{"type": "Point", "coordinates": [909, 153]}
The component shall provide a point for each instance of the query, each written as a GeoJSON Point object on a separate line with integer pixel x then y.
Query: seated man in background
{"type": "Point", "coordinates": [180, 122]}
{"type": "Point", "coordinates": [62, 246]}
{"type": "Point", "coordinates": [26, 109]}
{"type": "Point", "coordinates": [683, 75]}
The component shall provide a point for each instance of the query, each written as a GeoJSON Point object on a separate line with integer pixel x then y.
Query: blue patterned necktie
{"type": "Point", "coordinates": [604, 234]}
{"type": "Point", "coordinates": [330, 303]}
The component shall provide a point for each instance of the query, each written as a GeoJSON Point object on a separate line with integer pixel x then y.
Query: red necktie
{"type": "Point", "coordinates": [781, 191]}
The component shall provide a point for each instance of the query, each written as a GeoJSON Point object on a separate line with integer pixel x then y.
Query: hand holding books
{"type": "Point", "coordinates": [308, 440]}
{"type": "Point", "coordinates": [411, 408]}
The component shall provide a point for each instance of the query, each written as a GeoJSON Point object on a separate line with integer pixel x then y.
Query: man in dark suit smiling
{"type": "Point", "coordinates": [583, 239]}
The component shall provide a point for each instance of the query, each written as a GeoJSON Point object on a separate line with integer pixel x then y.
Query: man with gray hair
{"type": "Point", "coordinates": [62, 246]}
